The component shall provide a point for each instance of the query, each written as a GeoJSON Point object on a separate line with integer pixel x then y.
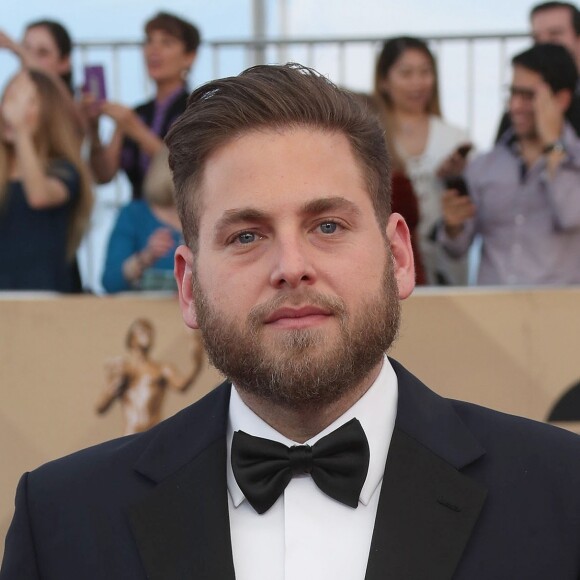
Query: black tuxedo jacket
{"type": "Point", "coordinates": [468, 493]}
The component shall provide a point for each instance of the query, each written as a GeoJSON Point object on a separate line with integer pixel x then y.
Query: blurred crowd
{"type": "Point", "coordinates": [519, 203]}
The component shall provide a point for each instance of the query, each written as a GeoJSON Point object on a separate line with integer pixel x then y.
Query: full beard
{"type": "Point", "coordinates": [301, 368]}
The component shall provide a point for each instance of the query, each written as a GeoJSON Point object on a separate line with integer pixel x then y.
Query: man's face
{"type": "Point", "coordinates": [294, 282]}
{"type": "Point", "coordinates": [522, 101]}
{"type": "Point", "coordinates": [555, 25]}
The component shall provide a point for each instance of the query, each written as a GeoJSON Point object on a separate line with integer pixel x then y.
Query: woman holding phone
{"type": "Point", "coordinates": [45, 195]}
{"type": "Point", "coordinates": [170, 48]}
{"type": "Point", "coordinates": [406, 90]}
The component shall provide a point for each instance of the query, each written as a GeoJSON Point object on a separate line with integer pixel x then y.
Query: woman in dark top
{"type": "Point", "coordinates": [45, 197]}
{"type": "Point", "coordinates": [170, 48]}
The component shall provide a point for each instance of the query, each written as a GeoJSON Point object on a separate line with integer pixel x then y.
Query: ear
{"type": "Point", "coordinates": [64, 65]}
{"type": "Point", "coordinates": [564, 99]}
{"type": "Point", "coordinates": [402, 252]}
{"type": "Point", "coordinates": [183, 271]}
{"type": "Point", "coordinates": [190, 59]}
{"type": "Point", "coordinates": [384, 85]}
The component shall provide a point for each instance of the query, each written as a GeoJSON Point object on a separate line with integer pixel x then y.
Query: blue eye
{"type": "Point", "coordinates": [246, 237]}
{"type": "Point", "coordinates": [328, 227]}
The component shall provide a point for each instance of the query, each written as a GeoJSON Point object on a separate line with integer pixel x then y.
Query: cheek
{"type": "Point", "coordinates": [34, 118]}
{"type": "Point", "coordinates": [429, 81]}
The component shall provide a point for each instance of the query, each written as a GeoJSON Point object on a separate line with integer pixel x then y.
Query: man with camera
{"type": "Point", "coordinates": [522, 197]}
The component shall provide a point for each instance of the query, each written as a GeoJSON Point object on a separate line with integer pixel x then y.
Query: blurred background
{"type": "Point", "coordinates": [473, 44]}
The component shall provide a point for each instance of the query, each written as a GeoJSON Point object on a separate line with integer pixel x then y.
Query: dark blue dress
{"type": "Point", "coordinates": [33, 242]}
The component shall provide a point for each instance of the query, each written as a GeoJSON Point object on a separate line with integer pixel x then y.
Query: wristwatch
{"type": "Point", "coordinates": [555, 146]}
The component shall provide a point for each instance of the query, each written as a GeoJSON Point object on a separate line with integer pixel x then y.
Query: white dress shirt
{"type": "Point", "coordinates": [307, 535]}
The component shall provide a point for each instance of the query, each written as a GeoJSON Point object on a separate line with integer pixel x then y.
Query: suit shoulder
{"type": "Point", "coordinates": [491, 426]}
{"type": "Point", "coordinates": [197, 423]}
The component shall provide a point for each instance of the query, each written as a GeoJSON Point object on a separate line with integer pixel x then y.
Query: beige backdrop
{"type": "Point", "coordinates": [514, 351]}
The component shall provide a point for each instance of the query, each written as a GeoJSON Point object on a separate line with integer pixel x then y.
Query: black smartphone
{"type": "Point", "coordinates": [457, 182]}
{"type": "Point", "coordinates": [464, 149]}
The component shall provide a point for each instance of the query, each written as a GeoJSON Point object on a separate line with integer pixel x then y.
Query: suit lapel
{"type": "Point", "coordinates": [427, 508]}
{"type": "Point", "coordinates": [182, 527]}
{"type": "Point", "coordinates": [426, 513]}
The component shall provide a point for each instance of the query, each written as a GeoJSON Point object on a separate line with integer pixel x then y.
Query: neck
{"type": "Point", "coordinates": [531, 149]}
{"type": "Point", "coordinates": [303, 423]}
{"type": "Point", "coordinates": [166, 88]}
{"type": "Point", "coordinates": [403, 117]}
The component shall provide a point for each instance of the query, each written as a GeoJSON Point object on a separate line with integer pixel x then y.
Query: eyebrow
{"type": "Point", "coordinates": [325, 204]}
{"type": "Point", "coordinates": [236, 216]}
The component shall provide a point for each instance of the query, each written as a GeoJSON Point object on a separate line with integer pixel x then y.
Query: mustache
{"type": "Point", "coordinates": [258, 314]}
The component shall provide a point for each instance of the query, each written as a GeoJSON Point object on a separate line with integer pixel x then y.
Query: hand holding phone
{"type": "Point", "coordinates": [95, 82]}
{"type": "Point", "coordinates": [463, 150]}
{"type": "Point", "coordinates": [458, 183]}
{"type": "Point", "coordinates": [454, 163]}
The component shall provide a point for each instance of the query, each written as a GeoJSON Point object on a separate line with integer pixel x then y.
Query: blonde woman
{"type": "Point", "coordinates": [45, 195]}
{"type": "Point", "coordinates": [145, 236]}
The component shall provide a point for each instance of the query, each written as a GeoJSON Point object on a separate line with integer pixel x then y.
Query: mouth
{"type": "Point", "coordinates": [303, 317]}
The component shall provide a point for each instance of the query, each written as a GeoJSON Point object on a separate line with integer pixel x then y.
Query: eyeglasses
{"type": "Point", "coordinates": [525, 94]}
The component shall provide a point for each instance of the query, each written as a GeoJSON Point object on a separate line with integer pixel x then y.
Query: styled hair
{"type": "Point", "coordinates": [57, 138]}
{"type": "Point", "coordinates": [572, 8]}
{"type": "Point", "coordinates": [392, 50]}
{"type": "Point", "coordinates": [181, 29]}
{"type": "Point", "coordinates": [273, 97]}
{"type": "Point", "coordinates": [553, 63]}
{"type": "Point", "coordinates": [62, 40]}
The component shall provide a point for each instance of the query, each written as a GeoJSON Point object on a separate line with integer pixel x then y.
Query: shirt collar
{"type": "Point", "coordinates": [509, 138]}
{"type": "Point", "coordinates": [376, 410]}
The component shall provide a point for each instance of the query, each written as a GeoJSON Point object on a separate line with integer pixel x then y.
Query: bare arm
{"type": "Point", "coordinates": [160, 242]}
{"type": "Point", "coordinates": [19, 111]}
{"type": "Point", "coordinates": [105, 160]}
{"type": "Point", "coordinates": [133, 127]}
{"type": "Point", "coordinates": [14, 47]}
{"type": "Point", "coordinates": [41, 190]}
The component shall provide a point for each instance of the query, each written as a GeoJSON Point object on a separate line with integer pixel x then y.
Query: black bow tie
{"type": "Point", "coordinates": [338, 464]}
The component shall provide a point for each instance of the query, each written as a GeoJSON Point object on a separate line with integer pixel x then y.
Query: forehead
{"type": "Point", "coordinates": [413, 57]}
{"type": "Point", "coordinates": [526, 77]}
{"type": "Point", "coordinates": [558, 17]}
{"type": "Point", "coordinates": [279, 171]}
{"type": "Point", "coordinates": [163, 33]}
{"type": "Point", "coordinates": [40, 35]}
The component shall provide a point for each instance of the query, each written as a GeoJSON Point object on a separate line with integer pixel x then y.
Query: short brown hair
{"type": "Point", "coordinates": [276, 97]}
{"type": "Point", "coordinates": [177, 27]}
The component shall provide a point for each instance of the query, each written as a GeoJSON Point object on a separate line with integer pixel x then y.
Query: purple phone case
{"type": "Point", "coordinates": [95, 82]}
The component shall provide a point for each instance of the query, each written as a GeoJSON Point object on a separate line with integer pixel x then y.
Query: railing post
{"type": "Point", "coordinates": [259, 30]}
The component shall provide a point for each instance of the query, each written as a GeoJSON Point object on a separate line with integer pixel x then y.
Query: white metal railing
{"type": "Point", "coordinates": [349, 61]}
{"type": "Point", "coordinates": [473, 72]}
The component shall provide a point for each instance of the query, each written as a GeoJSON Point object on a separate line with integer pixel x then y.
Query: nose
{"type": "Point", "coordinates": [293, 264]}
